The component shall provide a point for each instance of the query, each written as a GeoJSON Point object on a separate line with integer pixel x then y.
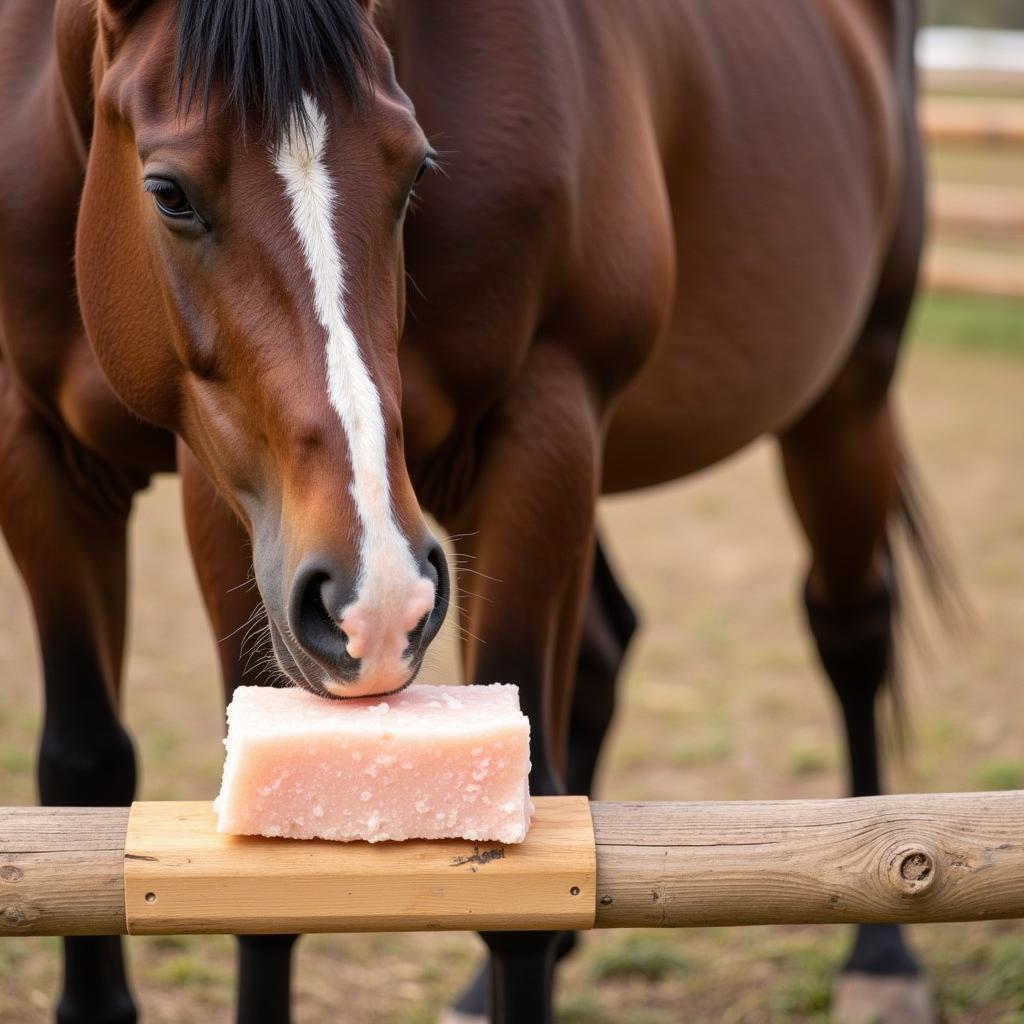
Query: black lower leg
{"type": "Point", "coordinates": [522, 976]}
{"type": "Point", "coordinates": [95, 989]}
{"type": "Point", "coordinates": [855, 644]}
{"type": "Point", "coordinates": [608, 626]}
{"type": "Point", "coordinates": [475, 1000]}
{"type": "Point", "coordinates": [85, 759]}
{"type": "Point", "coordinates": [264, 978]}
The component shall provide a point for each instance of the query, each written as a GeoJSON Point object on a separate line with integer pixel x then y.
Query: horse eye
{"type": "Point", "coordinates": [424, 167]}
{"type": "Point", "coordinates": [169, 198]}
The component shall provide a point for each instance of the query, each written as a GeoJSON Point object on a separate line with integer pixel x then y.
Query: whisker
{"type": "Point", "coordinates": [247, 623]}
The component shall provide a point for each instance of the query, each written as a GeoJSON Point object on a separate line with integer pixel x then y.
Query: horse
{"type": "Point", "coordinates": [639, 237]}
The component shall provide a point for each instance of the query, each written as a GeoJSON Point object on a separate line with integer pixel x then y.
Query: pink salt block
{"type": "Point", "coordinates": [431, 762]}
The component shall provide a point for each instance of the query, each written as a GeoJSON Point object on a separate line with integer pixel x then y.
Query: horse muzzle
{"type": "Point", "coordinates": [347, 637]}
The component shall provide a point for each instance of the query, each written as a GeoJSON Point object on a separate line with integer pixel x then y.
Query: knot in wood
{"type": "Point", "coordinates": [10, 873]}
{"type": "Point", "coordinates": [17, 915]}
{"type": "Point", "coordinates": [913, 869]}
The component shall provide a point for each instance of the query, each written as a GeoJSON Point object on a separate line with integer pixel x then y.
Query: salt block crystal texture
{"type": "Point", "coordinates": [431, 762]}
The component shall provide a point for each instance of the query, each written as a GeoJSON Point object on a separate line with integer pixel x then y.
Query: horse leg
{"type": "Point", "coordinates": [64, 515]}
{"type": "Point", "coordinates": [609, 623]}
{"type": "Point", "coordinates": [842, 465]}
{"type": "Point", "coordinates": [530, 525]}
{"type": "Point", "coordinates": [220, 553]}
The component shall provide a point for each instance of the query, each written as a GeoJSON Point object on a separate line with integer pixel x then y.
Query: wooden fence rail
{"type": "Point", "coordinates": [986, 122]}
{"type": "Point", "coordinates": [161, 868]}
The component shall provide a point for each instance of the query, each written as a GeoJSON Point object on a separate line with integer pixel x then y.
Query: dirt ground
{"type": "Point", "coordinates": [720, 699]}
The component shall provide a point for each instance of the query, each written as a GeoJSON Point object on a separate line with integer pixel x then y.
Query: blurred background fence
{"type": "Point", "coordinates": [973, 121]}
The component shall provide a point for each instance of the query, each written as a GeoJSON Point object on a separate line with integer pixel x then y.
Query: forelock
{"type": "Point", "coordinates": [269, 55]}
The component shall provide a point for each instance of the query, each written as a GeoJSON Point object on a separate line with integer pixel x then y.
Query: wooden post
{"type": "Point", "coordinates": [937, 857]}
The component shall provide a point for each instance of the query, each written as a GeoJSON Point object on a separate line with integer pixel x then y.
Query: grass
{"type": "Point", "coordinates": [640, 955]}
{"type": "Point", "coordinates": [808, 760]}
{"type": "Point", "coordinates": [1005, 980]}
{"type": "Point", "coordinates": [968, 323]}
{"type": "Point", "coordinates": [1001, 774]}
{"type": "Point", "coordinates": [702, 750]}
{"type": "Point", "coordinates": [580, 1010]}
{"type": "Point", "coordinates": [191, 971]}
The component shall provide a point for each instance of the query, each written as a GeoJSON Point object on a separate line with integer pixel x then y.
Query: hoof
{"type": "Point", "coordinates": [457, 1017]}
{"type": "Point", "coordinates": [861, 998]}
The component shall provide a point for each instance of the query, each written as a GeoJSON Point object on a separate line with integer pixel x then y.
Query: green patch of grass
{"type": "Point", "coordinates": [957, 997]}
{"type": "Point", "coordinates": [11, 951]}
{"type": "Point", "coordinates": [809, 966]}
{"type": "Point", "coordinates": [1005, 976]}
{"type": "Point", "coordinates": [639, 956]}
{"type": "Point", "coordinates": [1002, 774]}
{"type": "Point", "coordinates": [808, 760]}
{"type": "Point", "coordinates": [580, 1010]}
{"type": "Point", "coordinates": [941, 732]}
{"type": "Point", "coordinates": [647, 1016]}
{"type": "Point", "coordinates": [702, 750]}
{"type": "Point", "coordinates": [418, 1015]}
{"type": "Point", "coordinates": [711, 633]}
{"type": "Point", "coordinates": [805, 995]}
{"type": "Point", "coordinates": [190, 971]}
{"type": "Point", "coordinates": [972, 323]}
{"type": "Point", "coordinates": [636, 754]}
{"type": "Point", "coordinates": [178, 942]}
{"type": "Point", "coordinates": [16, 759]}
{"type": "Point", "coordinates": [165, 743]}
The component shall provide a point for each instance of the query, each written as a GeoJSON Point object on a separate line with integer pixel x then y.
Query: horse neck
{"type": "Point", "coordinates": [454, 34]}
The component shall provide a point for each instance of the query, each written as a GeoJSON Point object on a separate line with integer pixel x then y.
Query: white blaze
{"type": "Point", "coordinates": [391, 595]}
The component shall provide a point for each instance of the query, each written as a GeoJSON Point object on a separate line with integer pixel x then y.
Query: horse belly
{"type": "Point", "coordinates": [777, 248]}
{"type": "Point", "coordinates": [701, 398]}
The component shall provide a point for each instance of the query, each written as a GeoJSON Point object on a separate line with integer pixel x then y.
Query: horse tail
{"type": "Point", "coordinates": [915, 537]}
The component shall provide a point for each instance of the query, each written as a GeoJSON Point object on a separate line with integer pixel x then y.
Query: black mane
{"type": "Point", "coordinates": [268, 53]}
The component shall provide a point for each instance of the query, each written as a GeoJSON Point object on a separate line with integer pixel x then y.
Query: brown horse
{"type": "Point", "coordinates": [663, 229]}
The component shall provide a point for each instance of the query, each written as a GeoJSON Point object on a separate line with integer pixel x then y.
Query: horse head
{"type": "Point", "coordinates": [241, 278]}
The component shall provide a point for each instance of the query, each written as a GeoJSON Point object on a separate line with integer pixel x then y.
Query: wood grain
{"type": "Point", "coordinates": [935, 857]}
{"type": "Point", "coordinates": [182, 876]}
{"type": "Point", "coordinates": [61, 870]}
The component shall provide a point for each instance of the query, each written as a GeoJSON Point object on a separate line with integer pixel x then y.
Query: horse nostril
{"type": "Point", "coordinates": [435, 568]}
{"type": "Point", "coordinates": [319, 596]}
